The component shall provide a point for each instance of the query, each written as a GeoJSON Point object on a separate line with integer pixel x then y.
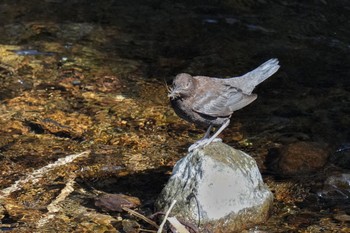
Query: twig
{"type": "Point", "coordinates": [68, 189]}
{"type": "Point", "coordinates": [35, 176]}
{"type": "Point", "coordinates": [166, 216]}
{"type": "Point", "coordinates": [145, 230]}
{"type": "Point", "coordinates": [133, 212]}
{"type": "Point", "coordinates": [178, 226]}
{"type": "Point", "coordinates": [54, 207]}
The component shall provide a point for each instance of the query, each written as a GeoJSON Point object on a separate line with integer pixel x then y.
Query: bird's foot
{"type": "Point", "coordinates": [202, 143]}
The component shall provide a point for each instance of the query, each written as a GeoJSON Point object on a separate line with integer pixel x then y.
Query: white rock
{"type": "Point", "coordinates": [218, 187]}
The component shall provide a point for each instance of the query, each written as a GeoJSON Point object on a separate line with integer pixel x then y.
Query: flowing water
{"type": "Point", "coordinates": [91, 76]}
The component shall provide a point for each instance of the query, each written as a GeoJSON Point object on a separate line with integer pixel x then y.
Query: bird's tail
{"type": "Point", "coordinates": [250, 80]}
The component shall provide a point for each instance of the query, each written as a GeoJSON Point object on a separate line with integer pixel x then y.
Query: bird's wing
{"type": "Point", "coordinates": [222, 103]}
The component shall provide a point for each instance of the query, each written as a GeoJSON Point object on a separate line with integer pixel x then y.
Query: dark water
{"type": "Point", "coordinates": [78, 75]}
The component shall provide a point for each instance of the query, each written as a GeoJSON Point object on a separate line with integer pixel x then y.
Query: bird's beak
{"type": "Point", "coordinates": [173, 94]}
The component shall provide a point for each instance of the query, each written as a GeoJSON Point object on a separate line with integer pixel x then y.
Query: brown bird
{"type": "Point", "coordinates": [208, 102]}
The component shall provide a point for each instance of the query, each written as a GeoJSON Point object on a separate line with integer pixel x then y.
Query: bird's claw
{"type": "Point", "coordinates": [202, 143]}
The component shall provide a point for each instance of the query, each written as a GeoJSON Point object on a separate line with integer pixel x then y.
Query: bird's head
{"type": "Point", "coordinates": [183, 86]}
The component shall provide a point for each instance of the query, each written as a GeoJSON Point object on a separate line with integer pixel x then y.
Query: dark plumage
{"type": "Point", "coordinates": [208, 101]}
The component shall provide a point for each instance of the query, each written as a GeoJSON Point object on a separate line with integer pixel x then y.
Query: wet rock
{"type": "Point", "coordinates": [219, 188]}
{"type": "Point", "coordinates": [341, 180]}
{"type": "Point", "coordinates": [297, 158]}
{"type": "Point", "coordinates": [116, 202]}
{"type": "Point", "coordinates": [341, 157]}
{"type": "Point", "coordinates": [342, 217]}
{"type": "Point", "coordinates": [336, 191]}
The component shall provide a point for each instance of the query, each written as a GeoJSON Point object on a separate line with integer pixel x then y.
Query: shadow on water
{"type": "Point", "coordinates": [146, 184]}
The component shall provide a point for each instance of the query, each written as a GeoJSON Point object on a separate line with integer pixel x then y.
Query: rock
{"type": "Point", "coordinates": [334, 194]}
{"type": "Point", "coordinates": [341, 157]}
{"type": "Point", "coordinates": [219, 188]}
{"type": "Point", "coordinates": [297, 158]}
{"type": "Point", "coordinates": [341, 181]}
{"type": "Point", "coordinates": [336, 188]}
{"type": "Point", "coordinates": [116, 202]}
{"type": "Point", "coordinates": [342, 217]}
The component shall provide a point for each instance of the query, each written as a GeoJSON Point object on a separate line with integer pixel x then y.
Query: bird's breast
{"type": "Point", "coordinates": [183, 108]}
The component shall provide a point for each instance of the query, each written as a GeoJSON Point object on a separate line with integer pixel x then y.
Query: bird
{"type": "Point", "coordinates": [210, 101]}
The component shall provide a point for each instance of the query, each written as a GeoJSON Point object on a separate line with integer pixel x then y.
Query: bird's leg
{"type": "Point", "coordinates": [201, 142]}
{"type": "Point", "coordinates": [206, 140]}
{"type": "Point", "coordinates": [207, 133]}
{"type": "Point", "coordinates": [222, 127]}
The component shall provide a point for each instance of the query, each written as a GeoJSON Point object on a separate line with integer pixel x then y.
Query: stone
{"type": "Point", "coordinates": [219, 188]}
{"type": "Point", "coordinates": [336, 188]}
{"type": "Point", "coordinates": [341, 157]}
{"type": "Point", "coordinates": [297, 158]}
{"type": "Point", "coordinates": [116, 202]}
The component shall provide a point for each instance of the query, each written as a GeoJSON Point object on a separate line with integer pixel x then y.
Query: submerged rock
{"type": "Point", "coordinates": [336, 190]}
{"type": "Point", "coordinates": [116, 202]}
{"type": "Point", "coordinates": [218, 188]}
{"type": "Point", "coordinates": [298, 158]}
{"type": "Point", "coordinates": [341, 157]}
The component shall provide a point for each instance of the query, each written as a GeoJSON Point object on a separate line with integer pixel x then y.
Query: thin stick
{"type": "Point", "coordinates": [145, 230]}
{"type": "Point", "coordinates": [37, 175]}
{"type": "Point", "coordinates": [133, 212]}
{"type": "Point", "coordinates": [166, 216]}
{"type": "Point", "coordinates": [178, 226]}
{"type": "Point", "coordinates": [54, 206]}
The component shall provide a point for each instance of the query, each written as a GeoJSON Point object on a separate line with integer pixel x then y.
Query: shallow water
{"type": "Point", "coordinates": [81, 75]}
